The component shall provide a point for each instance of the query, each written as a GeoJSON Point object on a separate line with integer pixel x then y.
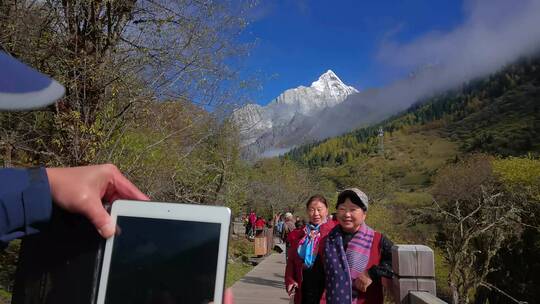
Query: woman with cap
{"type": "Point", "coordinates": [304, 274]}
{"type": "Point", "coordinates": [356, 257]}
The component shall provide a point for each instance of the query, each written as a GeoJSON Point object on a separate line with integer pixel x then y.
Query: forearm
{"type": "Point", "coordinates": [384, 268]}
{"type": "Point", "coordinates": [25, 202]}
{"type": "Point", "coordinates": [290, 276]}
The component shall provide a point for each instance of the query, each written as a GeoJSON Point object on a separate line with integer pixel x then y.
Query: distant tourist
{"type": "Point", "coordinates": [304, 275]}
{"type": "Point", "coordinates": [368, 254]}
{"type": "Point", "coordinates": [299, 224]}
{"type": "Point", "coordinates": [246, 224]}
{"type": "Point", "coordinates": [259, 225]}
{"type": "Point", "coordinates": [252, 218]}
{"type": "Point", "coordinates": [279, 225]}
{"type": "Point", "coordinates": [288, 227]}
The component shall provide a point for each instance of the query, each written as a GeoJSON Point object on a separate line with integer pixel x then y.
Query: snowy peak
{"type": "Point", "coordinates": [327, 91]}
{"type": "Point", "coordinates": [326, 79]}
{"type": "Point", "coordinates": [292, 112]}
{"type": "Point", "coordinates": [330, 84]}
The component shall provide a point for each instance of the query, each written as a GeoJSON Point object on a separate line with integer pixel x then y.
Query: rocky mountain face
{"type": "Point", "coordinates": [287, 120]}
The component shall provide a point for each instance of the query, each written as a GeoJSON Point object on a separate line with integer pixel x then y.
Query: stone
{"type": "Point", "coordinates": [425, 261]}
{"type": "Point", "coordinates": [404, 260]}
{"type": "Point", "coordinates": [427, 285]}
{"type": "Point", "coordinates": [420, 297]}
{"type": "Point", "coordinates": [401, 288]}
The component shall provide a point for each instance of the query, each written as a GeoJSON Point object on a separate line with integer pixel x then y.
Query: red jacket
{"type": "Point", "coordinates": [259, 224]}
{"type": "Point", "coordinates": [294, 268]}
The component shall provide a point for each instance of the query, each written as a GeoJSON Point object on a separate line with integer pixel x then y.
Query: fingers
{"type": "Point", "coordinates": [100, 218]}
{"type": "Point", "coordinates": [362, 285]}
{"type": "Point", "coordinates": [291, 288]}
{"type": "Point", "coordinates": [228, 297]}
{"type": "Point", "coordinates": [124, 189]}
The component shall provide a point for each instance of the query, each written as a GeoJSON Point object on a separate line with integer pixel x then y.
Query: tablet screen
{"type": "Point", "coordinates": [163, 261]}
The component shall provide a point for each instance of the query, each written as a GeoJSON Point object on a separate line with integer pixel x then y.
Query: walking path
{"type": "Point", "coordinates": [263, 284]}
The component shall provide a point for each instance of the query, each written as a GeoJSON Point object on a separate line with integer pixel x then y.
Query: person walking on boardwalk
{"type": "Point", "coordinates": [288, 226]}
{"type": "Point", "coordinates": [259, 225]}
{"type": "Point", "coordinates": [279, 226]}
{"type": "Point", "coordinates": [304, 274]}
{"type": "Point", "coordinates": [356, 257]}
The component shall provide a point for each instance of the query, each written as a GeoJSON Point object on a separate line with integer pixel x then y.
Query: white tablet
{"type": "Point", "coordinates": [165, 253]}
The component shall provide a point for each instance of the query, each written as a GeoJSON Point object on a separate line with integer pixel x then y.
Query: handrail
{"type": "Point", "coordinates": [423, 297]}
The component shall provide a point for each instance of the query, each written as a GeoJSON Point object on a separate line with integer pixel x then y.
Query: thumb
{"type": "Point", "coordinates": [101, 219]}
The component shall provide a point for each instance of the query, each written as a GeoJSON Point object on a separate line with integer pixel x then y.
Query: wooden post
{"type": "Point", "coordinates": [269, 240]}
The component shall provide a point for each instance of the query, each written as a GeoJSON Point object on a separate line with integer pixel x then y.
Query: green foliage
{"type": "Point", "coordinates": [279, 185]}
{"type": "Point", "coordinates": [8, 262]}
{"type": "Point", "coordinates": [136, 94]}
{"type": "Point", "coordinates": [475, 218]}
{"type": "Point", "coordinates": [499, 114]}
{"type": "Point", "coordinates": [237, 266]}
{"type": "Point", "coordinates": [519, 258]}
{"type": "Point", "coordinates": [520, 174]}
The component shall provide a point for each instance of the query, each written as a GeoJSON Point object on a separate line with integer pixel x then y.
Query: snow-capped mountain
{"type": "Point", "coordinates": [281, 124]}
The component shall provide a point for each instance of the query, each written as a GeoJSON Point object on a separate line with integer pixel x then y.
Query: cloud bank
{"type": "Point", "coordinates": [494, 33]}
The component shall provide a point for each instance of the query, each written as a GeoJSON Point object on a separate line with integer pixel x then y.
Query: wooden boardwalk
{"type": "Point", "coordinates": [263, 284]}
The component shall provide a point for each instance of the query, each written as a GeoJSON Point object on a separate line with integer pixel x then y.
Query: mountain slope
{"type": "Point", "coordinates": [499, 114]}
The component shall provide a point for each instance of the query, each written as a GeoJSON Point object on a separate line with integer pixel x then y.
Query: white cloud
{"type": "Point", "coordinates": [493, 34]}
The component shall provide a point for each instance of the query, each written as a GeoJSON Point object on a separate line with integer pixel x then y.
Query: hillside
{"type": "Point", "coordinates": [498, 115]}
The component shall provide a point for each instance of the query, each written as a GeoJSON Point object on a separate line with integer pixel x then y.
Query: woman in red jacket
{"type": "Point", "coordinates": [304, 266]}
{"type": "Point", "coordinates": [259, 225]}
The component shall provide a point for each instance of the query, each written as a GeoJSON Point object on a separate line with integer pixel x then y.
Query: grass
{"type": "Point", "coordinates": [237, 266]}
{"type": "Point", "coordinates": [412, 199]}
{"type": "Point", "coordinates": [235, 271]}
{"type": "Point", "coordinates": [441, 275]}
{"type": "Point", "coordinates": [412, 159]}
{"type": "Point", "coordinates": [5, 297]}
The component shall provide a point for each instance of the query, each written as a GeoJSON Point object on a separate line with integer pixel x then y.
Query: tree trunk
{"type": "Point", "coordinates": [455, 294]}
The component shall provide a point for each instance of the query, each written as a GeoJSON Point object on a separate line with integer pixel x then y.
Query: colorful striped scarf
{"type": "Point", "coordinates": [342, 268]}
{"type": "Point", "coordinates": [309, 244]}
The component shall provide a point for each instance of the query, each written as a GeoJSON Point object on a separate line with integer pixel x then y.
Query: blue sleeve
{"type": "Point", "coordinates": [25, 202]}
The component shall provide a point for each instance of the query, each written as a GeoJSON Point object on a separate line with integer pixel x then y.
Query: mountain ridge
{"type": "Point", "coordinates": [497, 114]}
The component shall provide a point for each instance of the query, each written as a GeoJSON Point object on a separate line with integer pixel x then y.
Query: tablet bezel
{"type": "Point", "coordinates": [171, 211]}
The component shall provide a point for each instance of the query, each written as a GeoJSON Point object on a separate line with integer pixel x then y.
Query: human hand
{"type": "Point", "coordinates": [362, 282]}
{"type": "Point", "coordinates": [227, 297]}
{"type": "Point", "coordinates": [81, 189]}
{"type": "Point", "coordinates": [291, 288]}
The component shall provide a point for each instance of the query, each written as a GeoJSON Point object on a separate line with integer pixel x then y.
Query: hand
{"type": "Point", "coordinates": [362, 282]}
{"type": "Point", "coordinates": [227, 297]}
{"type": "Point", "coordinates": [81, 189]}
{"type": "Point", "coordinates": [291, 288]}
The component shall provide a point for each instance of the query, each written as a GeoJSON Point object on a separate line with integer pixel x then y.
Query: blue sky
{"type": "Point", "coordinates": [299, 40]}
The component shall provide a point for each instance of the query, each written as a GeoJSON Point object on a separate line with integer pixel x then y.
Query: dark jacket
{"type": "Point", "coordinates": [379, 264]}
{"type": "Point", "coordinates": [25, 203]}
